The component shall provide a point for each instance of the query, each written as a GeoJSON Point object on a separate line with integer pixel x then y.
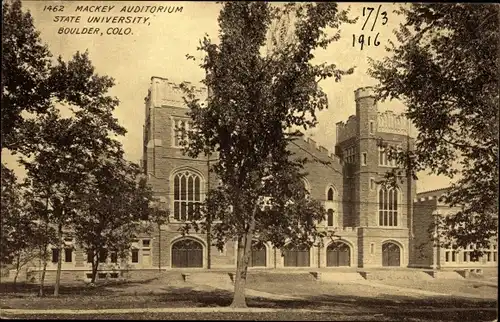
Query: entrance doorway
{"type": "Point", "coordinates": [187, 253]}
{"type": "Point", "coordinates": [338, 254]}
{"type": "Point", "coordinates": [258, 256]}
{"type": "Point", "coordinates": [391, 254]}
{"type": "Point", "coordinates": [296, 256]}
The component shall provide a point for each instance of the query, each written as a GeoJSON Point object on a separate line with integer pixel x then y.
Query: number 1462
{"type": "Point", "coordinates": [363, 40]}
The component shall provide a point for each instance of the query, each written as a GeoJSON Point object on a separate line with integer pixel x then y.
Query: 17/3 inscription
{"type": "Point", "coordinates": [369, 40]}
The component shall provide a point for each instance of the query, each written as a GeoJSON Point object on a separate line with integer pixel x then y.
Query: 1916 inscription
{"type": "Point", "coordinates": [364, 39]}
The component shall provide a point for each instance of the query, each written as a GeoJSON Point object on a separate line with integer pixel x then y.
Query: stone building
{"type": "Point", "coordinates": [373, 224]}
{"type": "Point", "coordinates": [371, 221]}
{"type": "Point", "coordinates": [428, 207]}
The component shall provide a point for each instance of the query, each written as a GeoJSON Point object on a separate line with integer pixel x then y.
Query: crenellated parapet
{"type": "Point", "coordinates": [389, 122]}
{"type": "Point", "coordinates": [313, 147]}
{"type": "Point", "coordinates": [364, 92]}
{"type": "Point", "coordinates": [166, 93]}
{"type": "Point", "coordinates": [348, 129]}
{"type": "Point", "coordinates": [436, 194]}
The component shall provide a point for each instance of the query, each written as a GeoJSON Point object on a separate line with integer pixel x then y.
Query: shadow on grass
{"type": "Point", "coordinates": [391, 307]}
{"type": "Point", "coordinates": [212, 298]}
{"type": "Point", "coordinates": [22, 289]}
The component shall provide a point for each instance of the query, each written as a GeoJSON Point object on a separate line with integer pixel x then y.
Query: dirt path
{"type": "Point", "coordinates": [251, 292]}
{"type": "Point", "coordinates": [401, 289]}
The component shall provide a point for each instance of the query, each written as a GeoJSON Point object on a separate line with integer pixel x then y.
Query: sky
{"type": "Point", "coordinates": [159, 46]}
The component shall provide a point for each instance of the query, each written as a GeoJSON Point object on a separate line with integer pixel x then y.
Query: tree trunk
{"type": "Point", "coordinates": [159, 247]}
{"type": "Point", "coordinates": [95, 266]}
{"type": "Point", "coordinates": [59, 260]}
{"type": "Point", "coordinates": [43, 251]}
{"type": "Point", "coordinates": [209, 242]}
{"type": "Point", "coordinates": [42, 279]}
{"type": "Point", "coordinates": [244, 249]}
{"type": "Point", "coordinates": [18, 264]}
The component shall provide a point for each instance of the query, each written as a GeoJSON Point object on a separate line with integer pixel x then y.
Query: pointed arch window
{"type": "Point", "coordinates": [187, 195]}
{"type": "Point", "coordinates": [329, 195]}
{"type": "Point", "coordinates": [330, 205]}
{"type": "Point", "coordinates": [388, 207]}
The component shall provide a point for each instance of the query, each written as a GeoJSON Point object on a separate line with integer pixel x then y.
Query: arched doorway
{"type": "Point", "coordinates": [296, 256]}
{"type": "Point", "coordinates": [338, 254]}
{"type": "Point", "coordinates": [258, 255]}
{"type": "Point", "coordinates": [391, 254]}
{"type": "Point", "coordinates": [187, 253]}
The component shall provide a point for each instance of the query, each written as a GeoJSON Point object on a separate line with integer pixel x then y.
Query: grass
{"type": "Point", "coordinates": [286, 316]}
{"type": "Point", "coordinates": [335, 301]}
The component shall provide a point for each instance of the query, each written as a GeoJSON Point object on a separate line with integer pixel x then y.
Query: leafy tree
{"type": "Point", "coordinates": [18, 231]}
{"type": "Point", "coordinates": [13, 221]}
{"type": "Point", "coordinates": [254, 100]}
{"type": "Point", "coordinates": [43, 233]}
{"type": "Point", "coordinates": [25, 69]}
{"type": "Point", "coordinates": [25, 233]}
{"type": "Point", "coordinates": [445, 69]}
{"type": "Point", "coordinates": [113, 205]}
{"type": "Point", "coordinates": [63, 150]}
{"type": "Point", "coordinates": [158, 215]}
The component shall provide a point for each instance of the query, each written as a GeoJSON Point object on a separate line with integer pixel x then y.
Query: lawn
{"type": "Point", "coordinates": [329, 301]}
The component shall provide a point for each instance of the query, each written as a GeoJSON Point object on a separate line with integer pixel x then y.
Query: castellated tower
{"type": "Point", "coordinates": [165, 110]}
{"type": "Point", "coordinates": [380, 214]}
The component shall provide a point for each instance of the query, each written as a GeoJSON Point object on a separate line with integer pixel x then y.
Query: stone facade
{"type": "Point", "coordinates": [428, 206]}
{"type": "Point", "coordinates": [374, 224]}
{"type": "Point", "coordinates": [352, 173]}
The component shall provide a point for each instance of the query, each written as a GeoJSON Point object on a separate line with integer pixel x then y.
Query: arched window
{"type": "Point", "coordinates": [187, 194]}
{"type": "Point", "coordinates": [331, 207]}
{"type": "Point", "coordinates": [329, 195]}
{"type": "Point", "coordinates": [388, 207]}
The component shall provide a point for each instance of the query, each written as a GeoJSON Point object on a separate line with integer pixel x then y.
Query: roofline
{"type": "Point", "coordinates": [422, 192]}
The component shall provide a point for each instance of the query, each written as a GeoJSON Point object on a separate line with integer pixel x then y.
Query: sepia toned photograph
{"type": "Point", "coordinates": [237, 160]}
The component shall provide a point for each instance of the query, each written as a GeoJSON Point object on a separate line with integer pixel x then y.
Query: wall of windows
{"type": "Point", "coordinates": [350, 155]}
{"type": "Point", "coordinates": [187, 195]}
{"type": "Point", "coordinates": [383, 158]}
{"type": "Point", "coordinates": [179, 128]}
{"type": "Point", "coordinates": [388, 203]}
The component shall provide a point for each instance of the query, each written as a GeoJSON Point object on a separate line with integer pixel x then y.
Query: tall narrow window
{"type": "Point", "coordinates": [55, 255]}
{"type": "Point", "coordinates": [114, 257]}
{"type": "Point", "coordinates": [364, 158]}
{"type": "Point", "coordinates": [180, 128]}
{"type": "Point", "coordinates": [90, 256]}
{"type": "Point", "coordinates": [383, 158]}
{"type": "Point", "coordinates": [103, 254]}
{"type": "Point", "coordinates": [187, 195]}
{"type": "Point", "coordinates": [330, 218]}
{"type": "Point", "coordinates": [135, 256]}
{"type": "Point", "coordinates": [68, 255]}
{"type": "Point", "coordinates": [330, 194]}
{"type": "Point", "coordinates": [388, 207]}
{"type": "Point", "coordinates": [372, 127]}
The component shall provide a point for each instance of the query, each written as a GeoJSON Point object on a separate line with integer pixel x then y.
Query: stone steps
{"type": "Point", "coordinates": [395, 275]}
{"type": "Point", "coordinates": [340, 277]}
